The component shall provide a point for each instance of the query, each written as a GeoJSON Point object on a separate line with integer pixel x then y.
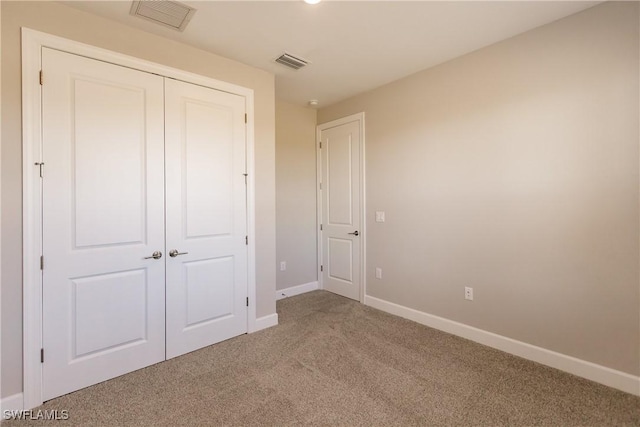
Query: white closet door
{"type": "Point", "coordinates": [206, 216]}
{"type": "Point", "coordinates": [103, 215]}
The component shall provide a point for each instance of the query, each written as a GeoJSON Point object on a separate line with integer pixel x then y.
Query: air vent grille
{"type": "Point", "coordinates": [291, 61]}
{"type": "Point", "coordinates": [171, 14]}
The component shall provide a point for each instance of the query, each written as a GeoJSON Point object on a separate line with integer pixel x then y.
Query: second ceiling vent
{"type": "Point", "coordinates": [291, 61]}
{"type": "Point", "coordinates": [171, 14]}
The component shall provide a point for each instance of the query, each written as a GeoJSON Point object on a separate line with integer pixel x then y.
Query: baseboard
{"type": "Point", "coordinates": [11, 403]}
{"type": "Point", "coordinates": [266, 322]}
{"type": "Point", "coordinates": [591, 371]}
{"type": "Point", "coordinates": [296, 290]}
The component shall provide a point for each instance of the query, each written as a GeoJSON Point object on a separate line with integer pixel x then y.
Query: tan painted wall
{"type": "Point", "coordinates": [1, 406]}
{"type": "Point", "coordinates": [514, 170]}
{"type": "Point", "coordinates": [296, 234]}
{"type": "Point", "coordinates": [67, 22]}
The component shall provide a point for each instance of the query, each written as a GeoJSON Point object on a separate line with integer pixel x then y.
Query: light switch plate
{"type": "Point", "coordinates": [379, 216]}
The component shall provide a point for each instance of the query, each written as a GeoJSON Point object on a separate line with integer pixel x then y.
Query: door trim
{"type": "Point", "coordinates": [32, 44]}
{"type": "Point", "coordinates": [359, 117]}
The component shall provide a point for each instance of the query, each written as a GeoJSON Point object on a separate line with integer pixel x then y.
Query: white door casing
{"type": "Point", "coordinates": [341, 201]}
{"type": "Point", "coordinates": [206, 216]}
{"type": "Point", "coordinates": [103, 311]}
{"type": "Point", "coordinates": [33, 43]}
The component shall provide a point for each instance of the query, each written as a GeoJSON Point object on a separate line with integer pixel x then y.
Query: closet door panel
{"type": "Point", "coordinates": [206, 216]}
{"type": "Point", "coordinates": [103, 216]}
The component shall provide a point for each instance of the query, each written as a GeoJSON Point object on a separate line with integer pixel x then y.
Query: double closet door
{"type": "Point", "coordinates": [144, 219]}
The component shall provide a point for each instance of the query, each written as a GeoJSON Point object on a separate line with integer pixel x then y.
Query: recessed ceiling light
{"type": "Point", "coordinates": [312, 1]}
{"type": "Point", "coordinates": [313, 103]}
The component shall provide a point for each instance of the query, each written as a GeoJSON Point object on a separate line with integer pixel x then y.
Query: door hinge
{"type": "Point", "coordinates": [246, 240]}
{"type": "Point", "coordinates": [245, 118]}
{"type": "Point", "coordinates": [321, 268]}
{"type": "Point", "coordinates": [321, 186]}
{"type": "Point", "coordinates": [320, 227]}
{"type": "Point", "coordinates": [41, 80]}
{"type": "Point", "coordinates": [247, 301]}
{"type": "Point", "coordinates": [41, 262]}
{"type": "Point", "coordinates": [42, 355]}
{"type": "Point", "coordinates": [245, 178]}
{"type": "Point", "coordinates": [321, 145]}
{"type": "Point", "coordinates": [41, 166]}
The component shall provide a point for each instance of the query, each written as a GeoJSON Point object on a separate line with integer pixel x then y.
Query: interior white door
{"type": "Point", "coordinates": [341, 230]}
{"type": "Point", "coordinates": [103, 217]}
{"type": "Point", "coordinates": [206, 216]}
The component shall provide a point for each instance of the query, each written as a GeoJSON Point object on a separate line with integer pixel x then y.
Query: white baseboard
{"type": "Point", "coordinates": [266, 322]}
{"type": "Point", "coordinates": [296, 290]}
{"type": "Point", "coordinates": [591, 371]}
{"type": "Point", "coordinates": [11, 403]}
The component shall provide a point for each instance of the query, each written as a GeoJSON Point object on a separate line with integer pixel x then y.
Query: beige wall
{"type": "Point", "coordinates": [296, 233]}
{"type": "Point", "coordinates": [1, 406]}
{"type": "Point", "coordinates": [67, 22]}
{"type": "Point", "coordinates": [514, 170]}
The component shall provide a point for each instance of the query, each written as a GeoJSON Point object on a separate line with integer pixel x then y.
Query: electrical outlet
{"type": "Point", "coordinates": [468, 293]}
{"type": "Point", "coordinates": [378, 273]}
{"type": "Point", "coordinates": [283, 265]}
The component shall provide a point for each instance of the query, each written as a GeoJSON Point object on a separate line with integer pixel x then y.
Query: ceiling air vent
{"type": "Point", "coordinates": [171, 14]}
{"type": "Point", "coordinates": [291, 61]}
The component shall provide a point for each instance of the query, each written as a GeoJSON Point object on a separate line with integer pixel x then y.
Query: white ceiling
{"type": "Point", "coordinates": [353, 46]}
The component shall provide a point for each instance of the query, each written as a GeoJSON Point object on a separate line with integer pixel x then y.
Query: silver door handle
{"type": "Point", "coordinates": [174, 253]}
{"type": "Point", "coordinates": [355, 233]}
{"type": "Point", "coordinates": [155, 255]}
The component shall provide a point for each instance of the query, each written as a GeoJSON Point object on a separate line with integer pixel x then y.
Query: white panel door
{"type": "Point", "coordinates": [341, 209]}
{"type": "Point", "coordinates": [103, 215]}
{"type": "Point", "coordinates": [206, 216]}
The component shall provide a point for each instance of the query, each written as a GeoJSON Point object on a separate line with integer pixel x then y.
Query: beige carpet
{"type": "Point", "coordinates": [333, 361]}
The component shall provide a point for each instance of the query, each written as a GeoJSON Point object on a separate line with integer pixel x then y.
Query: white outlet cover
{"type": "Point", "coordinates": [283, 265]}
{"type": "Point", "coordinates": [378, 273]}
{"type": "Point", "coordinates": [380, 216]}
{"type": "Point", "coordinates": [468, 293]}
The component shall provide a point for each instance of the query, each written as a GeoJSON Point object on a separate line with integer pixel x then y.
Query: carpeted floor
{"type": "Point", "coordinates": [333, 361]}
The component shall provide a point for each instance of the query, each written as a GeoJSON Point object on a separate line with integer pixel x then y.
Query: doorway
{"type": "Point", "coordinates": [109, 140]}
{"type": "Point", "coordinates": [341, 206]}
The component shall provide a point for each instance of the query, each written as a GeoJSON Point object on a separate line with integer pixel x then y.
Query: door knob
{"type": "Point", "coordinates": [155, 255]}
{"type": "Point", "coordinates": [174, 253]}
{"type": "Point", "coordinates": [355, 233]}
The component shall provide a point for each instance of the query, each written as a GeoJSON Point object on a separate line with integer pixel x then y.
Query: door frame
{"type": "Point", "coordinates": [32, 44]}
{"type": "Point", "coordinates": [358, 117]}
